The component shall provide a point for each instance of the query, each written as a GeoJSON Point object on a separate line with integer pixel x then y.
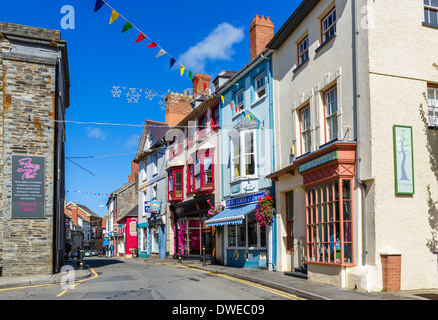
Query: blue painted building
{"type": "Point", "coordinates": [246, 159]}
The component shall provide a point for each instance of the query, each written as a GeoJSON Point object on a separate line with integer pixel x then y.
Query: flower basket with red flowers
{"type": "Point", "coordinates": [265, 211]}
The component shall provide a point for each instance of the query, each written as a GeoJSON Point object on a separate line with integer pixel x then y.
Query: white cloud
{"type": "Point", "coordinates": [96, 133]}
{"type": "Point", "coordinates": [216, 46]}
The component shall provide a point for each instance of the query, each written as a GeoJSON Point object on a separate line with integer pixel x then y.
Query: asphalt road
{"type": "Point", "coordinates": [116, 279]}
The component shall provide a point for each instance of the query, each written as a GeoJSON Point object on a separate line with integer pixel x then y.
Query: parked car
{"type": "Point", "coordinates": [88, 253]}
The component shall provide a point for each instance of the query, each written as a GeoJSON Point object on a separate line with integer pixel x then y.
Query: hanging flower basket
{"type": "Point", "coordinates": [214, 210]}
{"type": "Point", "coordinates": [265, 211]}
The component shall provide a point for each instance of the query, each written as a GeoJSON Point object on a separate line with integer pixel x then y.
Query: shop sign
{"type": "Point", "coordinates": [28, 187]}
{"type": "Point", "coordinates": [243, 200]}
{"type": "Point", "coordinates": [318, 161]}
{"type": "Point", "coordinates": [403, 160]}
{"type": "Point", "coordinates": [152, 206]}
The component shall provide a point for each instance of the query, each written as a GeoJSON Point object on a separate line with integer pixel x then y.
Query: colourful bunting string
{"type": "Point", "coordinates": [114, 15]}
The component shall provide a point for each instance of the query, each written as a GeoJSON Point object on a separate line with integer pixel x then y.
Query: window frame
{"type": "Point", "coordinates": [258, 89]}
{"type": "Point", "coordinates": [241, 137]}
{"type": "Point", "coordinates": [432, 106]}
{"type": "Point", "coordinates": [427, 9]}
{"type": "Point", "coordinates": [332, 117]}
{"type": "Point", "coordinates": [240, 104]}
{"type": "Point", "coordinates": [236, 228]}
{"type": "Point", "coordinates": [325, 31]}
{"type": "Point", "coordinates": [214, 117]}
{"type": "Point", "coordinates": [289, 220]}
{"type": "Point", "coordinates": [202, 124]}
{"type": "Point", "coordinates": [171, 182]}
{"type": "Point", "coordinates": [192, 173]}
{"type": "Point", "coordinates": [302, 55]}
{"type": "Point", "coordinates": [306, 144]}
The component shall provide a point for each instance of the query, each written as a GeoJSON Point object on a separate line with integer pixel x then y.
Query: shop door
{"type": "Point", "coordinates": [194, 236]}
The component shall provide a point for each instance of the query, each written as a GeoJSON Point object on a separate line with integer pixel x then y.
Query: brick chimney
{"type": "Point", "coordinates": [203, 82]}
{"type": "Point", "coordinates": [74, 213]}
{"type": "Point", "coordinates": [134, 171]}
{"type": "Point", "coordinates": [177, 107]}
{"type": "Point", "coordinates": [261, 32]}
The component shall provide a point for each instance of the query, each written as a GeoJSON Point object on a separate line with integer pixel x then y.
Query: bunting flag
{"type": "Point", "coordinates": [190, 75]}
{"type": "Point", "coordinates": [231, 106]}
{"type": "Point", "coordinates": [114, 16]}
{"type": "Point", "coordinates": [141, 37]}
{"type": "Point", "coordinates": [222, 98]}
{"type": "Point", "coordinates": [152, 45]}
{"type": "Point", "coordinates": [99, 4]}
{"type": "Point", "coordinates": [182, 70]}
{"type": "Point", "coordinates": [162, 52]}
{"type": "Point", "coordinates": [126, 27]}
{"type": "Point", "coordinates": [172, 62]}
{"type": "Point", "coordinates": [196, 80]}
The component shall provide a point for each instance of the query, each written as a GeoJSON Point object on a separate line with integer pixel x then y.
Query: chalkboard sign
{"type": "Point", "coordinates": [28, 187]}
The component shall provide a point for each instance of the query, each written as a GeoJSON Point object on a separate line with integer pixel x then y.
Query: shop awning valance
{"type": "Point", "coordinates": [231, 216]}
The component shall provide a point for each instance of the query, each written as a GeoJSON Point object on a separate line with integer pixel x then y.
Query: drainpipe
{"type": "Point", "coordinates": [356, 133]}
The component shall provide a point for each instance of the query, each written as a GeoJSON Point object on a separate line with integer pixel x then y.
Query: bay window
{"type": "Point", "coordinates": [175, 184]}
{"type": "Point", "coordinates": [243, 153]}
{"type": "Point", "coordinates": [329, 222]}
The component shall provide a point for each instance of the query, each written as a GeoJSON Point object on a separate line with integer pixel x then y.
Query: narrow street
{"type": "Point", "coordinates": [117, 279]}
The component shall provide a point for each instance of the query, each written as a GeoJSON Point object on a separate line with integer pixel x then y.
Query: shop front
{"type": "Point", "coordinates": [191, 234]}
{"type": "Point", "coordinates": [143, 240]}
{"type": "Point", "coordinates": [245, 240]}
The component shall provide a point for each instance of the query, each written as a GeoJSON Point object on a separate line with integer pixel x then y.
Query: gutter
{"type": "Point", "coordinates": [356, 133]}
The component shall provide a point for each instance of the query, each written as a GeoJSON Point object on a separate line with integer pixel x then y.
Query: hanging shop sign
{"type": "Point", "coordinates": [152, 206]}
{"type": "Point", "coordinates": [318, 161]}
{"type": "Point", "coordinates": [403, 160]}
{"type": "Point", "coordinates": [28, 187]}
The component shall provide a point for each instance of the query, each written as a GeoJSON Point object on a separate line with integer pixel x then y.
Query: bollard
{"type": "Point", "coordinates": [179, 254]}
{"type": "Point", "coordinates": [81, 259]}
{"type": "Point", "coordinates": [204, 263]}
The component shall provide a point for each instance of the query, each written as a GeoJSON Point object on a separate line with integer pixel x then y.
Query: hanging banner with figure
{"type": "Point", "coordinates": [404, 160]}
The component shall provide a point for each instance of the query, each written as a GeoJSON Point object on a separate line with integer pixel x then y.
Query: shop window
{"type": "Point", "coordinates": [329, 223]}
{"type": "Point", "coordinates": [154, 238]}
{"type": "Point", "coordinates": [248, 234]}
{"type": "Point", "coordinates": [289, 221]}
{"type": "Point", "coordinates": [175, 184]}
{"type": "Point", "coordinates": [201, 172]}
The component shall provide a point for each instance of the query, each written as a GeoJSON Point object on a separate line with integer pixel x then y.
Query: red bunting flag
{"type": "Point", "coordinates": [205, 85]}
{"type": "Point", "coordinates": [141, 37]}
{"type": "Point", "coordinates": [152, 45]}
{"type": "Point", "coordinates": [196, 80]}
{"type": "Point", "coordinates": [231, 106]}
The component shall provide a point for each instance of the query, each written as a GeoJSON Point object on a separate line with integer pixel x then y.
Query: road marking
{"type": "Point", "coordinates": [250, 283]}
{"type": "Point", "coordinates": [80, 281]}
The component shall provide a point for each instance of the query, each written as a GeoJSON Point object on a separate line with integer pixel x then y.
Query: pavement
{"type": "Point", "coordinates": [277, 280]}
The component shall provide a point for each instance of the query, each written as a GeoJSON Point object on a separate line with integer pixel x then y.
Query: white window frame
{"type": "Point", "coordinates": [303, 51]}
{"type": "Point", "coordinates": [428, 8]}
{"type": "Point", "coordinates": [305, 128]}
{"type": "Point", "coordinates": [241, 139]}
{"type": "Point", "coordinates": [331, 102]}
{"type": "Point", "coordinates": [240, 100]}
{"type": "Point", "coordinates": [432, 99]}
{"type": "Point", "coordinates": [236, 237]}
{"type": "Point", "coordinates": [329, 29]}
{"type": "Point", "coordinates": [260, 90]}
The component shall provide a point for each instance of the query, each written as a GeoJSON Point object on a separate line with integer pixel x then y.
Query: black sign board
{"type": "Point", "coordinates": [28, 187]}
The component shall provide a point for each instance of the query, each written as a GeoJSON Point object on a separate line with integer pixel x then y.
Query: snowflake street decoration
{"type": "Point", "coordinates": [149, 94]}
{"type": "Point", "coordinates": [133, 96]}
{"type": "Point", "coordinates": [116, 92]}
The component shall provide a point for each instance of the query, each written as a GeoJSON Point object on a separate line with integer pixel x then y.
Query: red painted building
{"type": "Point", "coordinates": [127, 233]}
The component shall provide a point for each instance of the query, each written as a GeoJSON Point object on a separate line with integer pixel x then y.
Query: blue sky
{"type": "Point", "coordinates": [206, 37]}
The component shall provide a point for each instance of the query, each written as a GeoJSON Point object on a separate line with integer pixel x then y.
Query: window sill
{"type": "Point", "coordinates": [325, 43]}
{"type": "Point", "coordinates": [258, 100]}
{"type": "Point", "coordinates": [429, 25]}
{"type": "Point", "coordinates": [301, 65]}
{"type": "Point", "coordinates": [432, 127]}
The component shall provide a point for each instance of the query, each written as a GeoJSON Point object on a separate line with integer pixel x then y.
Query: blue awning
{"type": "Point", "coordinates": [231, 216]}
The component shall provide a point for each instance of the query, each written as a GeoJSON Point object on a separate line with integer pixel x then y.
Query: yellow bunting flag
{"type": "Point", "coordinates": [222, 98]}
{"type": "Point", "coordinates": [182, 70]}
{"type": "Point", "coordinates": [114, 16]}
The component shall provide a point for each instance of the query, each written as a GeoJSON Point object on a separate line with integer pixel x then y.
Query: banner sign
{"type": "Point", "coordinates": [152, 206]}
{"type": "Point", "coordinates": [244, 200]}
{"type": "Point", "coordinates": [403, 160]}
{"type": "Point", "coordinates": [28, 187]}
{"type": "Point", "coordinates": [318, 161]}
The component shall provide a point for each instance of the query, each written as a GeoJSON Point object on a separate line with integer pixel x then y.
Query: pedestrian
{"type": "Point", "coordinates": [112, 250]}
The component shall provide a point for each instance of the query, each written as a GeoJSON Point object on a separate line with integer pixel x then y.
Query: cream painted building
{"type": "Point", "coordinates": [356, 172]}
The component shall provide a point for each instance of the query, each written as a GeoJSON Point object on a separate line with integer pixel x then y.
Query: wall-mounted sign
{"type": "Point", "coordinates": [244, 200]}
{"type": "Point", "coordinates": [318, 161]}
{"type": "Point", "coordinates": [152, 206]}
{"type": "Point", "coordinates": [28, 187]}
{"type": "Point", "coordinates": [403, 160]}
